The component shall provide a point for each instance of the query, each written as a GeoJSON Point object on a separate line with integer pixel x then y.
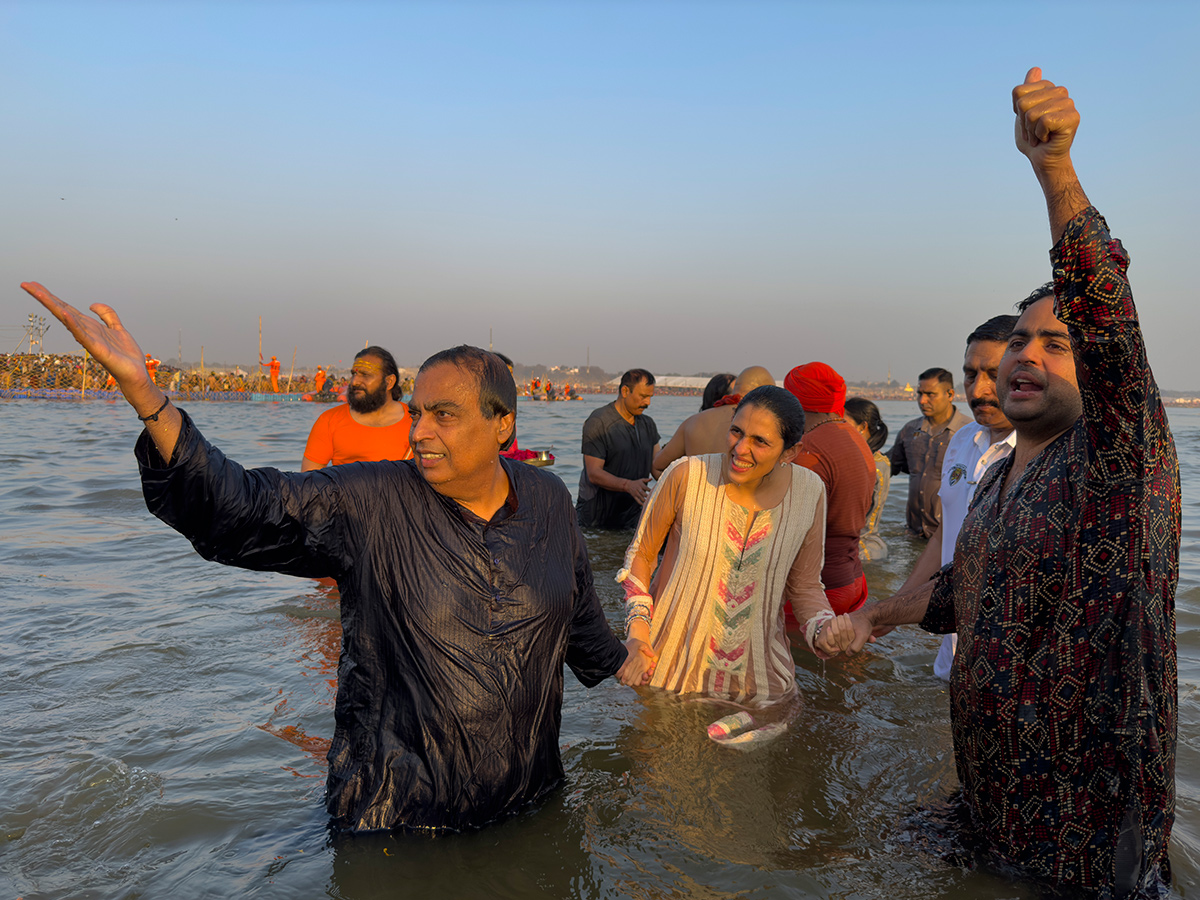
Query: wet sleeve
{"type": "Point", "coordinates": [594, 438]}
{"type": "Point", "coordinates": [658, 516]}
{"type": "Point", "coordinates": [939, 615]}
{"type": "Point", "coordinates": [319, 448]}
{"type": "Point", "coordinates": [1122, 410]}
{"type": "Point", "coordinates": [593, 651]}
{"type": "Point", "coordinates": [259, 519]}
{"type": "Point", "coordinates": [803, 589]}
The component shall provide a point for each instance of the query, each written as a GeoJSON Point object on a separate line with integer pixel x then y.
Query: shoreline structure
{"type": "Point", "coordinates": [61, 376]}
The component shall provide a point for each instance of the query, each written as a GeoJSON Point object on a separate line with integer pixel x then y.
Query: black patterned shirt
{"type": "Point", "coordinates": [1063, 692]}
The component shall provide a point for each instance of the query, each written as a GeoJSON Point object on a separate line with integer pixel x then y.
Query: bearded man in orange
{"type": "Point", "coordinates": [371, 426]}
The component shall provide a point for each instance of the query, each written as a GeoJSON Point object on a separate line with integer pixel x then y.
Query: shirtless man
{"type": "Point", "coordinates": [373, 425]}
{"type": "Point", "coordinates": [708, 430]}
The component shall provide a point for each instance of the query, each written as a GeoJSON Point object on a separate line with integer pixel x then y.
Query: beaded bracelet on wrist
{"type": "Point", "coordinates": [630, 619]}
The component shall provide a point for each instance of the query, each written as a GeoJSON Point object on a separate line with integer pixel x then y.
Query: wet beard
{"type": "Point", "coordinates": [367, 402]}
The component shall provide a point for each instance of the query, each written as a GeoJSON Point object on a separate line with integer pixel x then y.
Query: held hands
{"type": "Point", "coordinates": [639, 664]}
{"type": "Point", "coordinates": [840, 635]}
{"type": "Point", "coordinates": [1046, 122]}
{"type": "Point", "coordinates": [638, 489]}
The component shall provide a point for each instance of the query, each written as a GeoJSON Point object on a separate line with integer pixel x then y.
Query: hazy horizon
{"type": "Point", "coordinates": [683, 186]}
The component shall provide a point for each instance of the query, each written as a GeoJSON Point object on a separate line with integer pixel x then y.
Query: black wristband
{"type": "Point", "coordinates": [154, 416]}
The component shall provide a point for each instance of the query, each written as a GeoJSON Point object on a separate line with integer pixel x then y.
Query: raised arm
{"type": "Point", "coordinates": [1045, 129]}
{"type": "Point", "coordinates": [106, 339]}
{"type": "Point", "coordinates": [1122, 409]}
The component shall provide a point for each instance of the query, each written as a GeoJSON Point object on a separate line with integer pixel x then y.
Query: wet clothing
{"type": "Point", "coordinates": [627, 451]}
{"type": "Point", "coordinates": [455, 630]}
{"type": "Point", "coordinates": [837, 452]}
{"type": "Point", "coordinates": [871, 545]}
{"type": "Point", "coordinates": [726, 574]}
{"type": "Point", "coordinates": [1063, 691]}
{"type": "Point", "coordinates": [918, 450]}
{"type": "Point", "coordinates": [335, 437]}
{"type": "Point", "coordinates": [969, 455]}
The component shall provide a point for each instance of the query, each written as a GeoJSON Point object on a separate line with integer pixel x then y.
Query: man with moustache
{"type": "Point", "coordinates": [970, 453]}
{"type": "Point", "coordinates": [1062, 588]}
{"type": "Point", "coordinates": [619, 445]}
{"type": "Point", "coordinates": [708, 430]}
{"type": "Point", "coordinates": [373, 425]}
{"type": "Point", "coordinates": [465, 585]}
{"type": "Point", "coordinates": [920, 447]}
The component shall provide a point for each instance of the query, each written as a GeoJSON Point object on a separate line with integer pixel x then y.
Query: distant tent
{"type": "Point", "coordinates": [908, 388]}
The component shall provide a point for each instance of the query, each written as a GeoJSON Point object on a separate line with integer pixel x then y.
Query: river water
{"type": "Point", "coordinates": [165, 718]}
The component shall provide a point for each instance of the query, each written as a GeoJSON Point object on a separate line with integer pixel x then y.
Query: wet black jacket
{"type": "Point", "coordinates": [455, 631]}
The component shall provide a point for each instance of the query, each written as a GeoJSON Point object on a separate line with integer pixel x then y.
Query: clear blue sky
{"type": "Point", "coordinates": [683, 186]}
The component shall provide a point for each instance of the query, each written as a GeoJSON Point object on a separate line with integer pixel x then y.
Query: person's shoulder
{"type": "Point", "coordinates": [388, 479]}
{"type": "Point", "coordinates": [960, 420]}
{"type": "Point", "coordinates": [531, 482]}
{"type": "Point", "coordinates": [803, 475]}
{"type": "Point", "coordinates": [334, 413]}
{"type": "Point", "coordinates": [601, 413]}
{"type": "Point", "coordinates": [964, 435]}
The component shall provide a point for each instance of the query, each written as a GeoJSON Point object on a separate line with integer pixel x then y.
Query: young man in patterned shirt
{"type": "Point", "coordinates": [1063, 692]}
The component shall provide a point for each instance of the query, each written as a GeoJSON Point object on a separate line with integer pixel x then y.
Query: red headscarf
{"type": "Point", "coordinates": [818, 388]}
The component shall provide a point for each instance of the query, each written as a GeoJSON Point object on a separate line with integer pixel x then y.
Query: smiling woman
{"type": "Point", "coordinates": [744, 535]}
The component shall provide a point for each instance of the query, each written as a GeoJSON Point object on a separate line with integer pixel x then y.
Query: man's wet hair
{"type": "Point", "coordinates": [782, 404]}
{"type": "Point", "coordinates": [1046, 290]}
{"type": "Point", "coordinates": [634, 377]}
{"type": "Point", "coordinates": [997, 329]}
{"type": "Point", "coordinates": [863, 412]}
{"type": "Point", "coordinates": [940, 374]}
{"type": "Point", "coordinates": [389, 367]}
{"type": "Point", "coordinates": [508, 362]}
{"type": "Point", "coordinates": [497, 390]}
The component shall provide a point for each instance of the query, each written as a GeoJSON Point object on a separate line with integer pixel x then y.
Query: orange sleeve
{"type": "Point", "coordinates": [319, 448]}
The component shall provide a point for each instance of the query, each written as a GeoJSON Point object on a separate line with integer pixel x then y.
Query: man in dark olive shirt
{"type": "Point", "coordinates": [465, 585]}
{"type": "Point", "coordinates": [920, 447]}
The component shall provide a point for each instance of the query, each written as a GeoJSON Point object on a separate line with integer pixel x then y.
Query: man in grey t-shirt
{"type": "Point", "coordinates": [619, 444]}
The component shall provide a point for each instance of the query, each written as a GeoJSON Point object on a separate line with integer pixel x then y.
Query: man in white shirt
{"type": "Point", "coordinates": [970, 453]}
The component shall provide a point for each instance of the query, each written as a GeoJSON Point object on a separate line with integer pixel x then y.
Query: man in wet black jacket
{"type": "Point", "coordinates": [465, 585]}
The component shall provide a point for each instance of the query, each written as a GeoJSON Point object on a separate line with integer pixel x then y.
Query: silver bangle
{"type": "Point", "coordinates": [629, 619]}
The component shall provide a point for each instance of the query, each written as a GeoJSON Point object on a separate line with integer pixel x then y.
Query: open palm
{"type": "Point", "coordinates": [105, 338]}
